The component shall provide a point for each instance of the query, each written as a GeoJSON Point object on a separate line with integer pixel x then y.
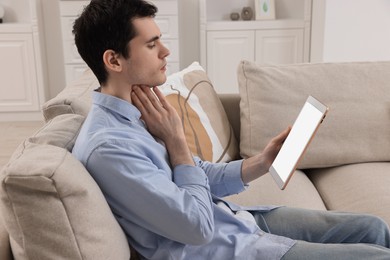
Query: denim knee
{"type": "Point", "coordinates": [378, 231]}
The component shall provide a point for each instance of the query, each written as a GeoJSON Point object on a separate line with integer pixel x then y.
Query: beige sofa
{"type": "Point", "coordinates": [52, 209]}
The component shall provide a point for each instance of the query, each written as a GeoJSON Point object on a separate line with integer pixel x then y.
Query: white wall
{"type": "Point", "coordinates": [189, 32]}
{"type": "Point", "coordinates": [351, 30]}
{"type": "Point", "coordinates": [16, 11]}
{"type": "Point", "coordinates": [53, 43]}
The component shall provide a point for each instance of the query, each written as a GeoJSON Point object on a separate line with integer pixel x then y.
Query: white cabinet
{"type": "Point", "coordinates": [279, 46]}
{"type": "Point", "coordinates": [225, 43]}
{"type": "Point", "coordinates": [224, 50]}
{"type": "Point", "coordinates": [19, 91]}
{"type": "Point", "coordinates": [23, 87]}
{"type": "Point", "coordinates": [166, 19]}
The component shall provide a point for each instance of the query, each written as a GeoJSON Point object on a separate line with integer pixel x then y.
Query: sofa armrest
{"type": "Point", "coordinates": [231, 104]}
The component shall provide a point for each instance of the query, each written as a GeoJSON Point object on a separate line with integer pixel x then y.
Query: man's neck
{"type": "Point", "coordinates": [118, 90]}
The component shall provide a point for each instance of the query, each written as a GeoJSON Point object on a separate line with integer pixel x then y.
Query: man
{"type": "Point", "coordinates": [167, 201]}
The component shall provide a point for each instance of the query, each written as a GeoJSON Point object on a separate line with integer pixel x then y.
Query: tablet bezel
{"type": "Point", "coordinates": [321, 108]}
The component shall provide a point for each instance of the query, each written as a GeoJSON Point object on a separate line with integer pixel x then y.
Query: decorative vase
{"type": "Point", "coordinates": [234, 16]}
{"type": "Point", "coordinates": [247, 13]}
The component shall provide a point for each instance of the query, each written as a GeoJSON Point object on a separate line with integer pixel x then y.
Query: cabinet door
{"type": "Point", "coordinates": [279, 46]}
{"type": "Point", "coordinates": [19, 90]}
{"type": "Point", "coordinates": [225, 50]}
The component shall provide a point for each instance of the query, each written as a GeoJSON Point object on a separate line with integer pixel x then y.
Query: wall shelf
{"type": "Point", "coordinates": [15, 28]}
{"type": "Point", "coordinates": [254, 25]}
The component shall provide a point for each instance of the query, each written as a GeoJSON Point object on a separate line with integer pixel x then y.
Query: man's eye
{"type": "Point", "coordinates": [152, 45]}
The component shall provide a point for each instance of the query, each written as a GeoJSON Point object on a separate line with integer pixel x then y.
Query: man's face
{"type": "Point", "coordinates": [146, 64]}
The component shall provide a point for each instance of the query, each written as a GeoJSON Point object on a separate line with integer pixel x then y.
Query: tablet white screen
{"type": "Point", "coordinates": [294, 145]}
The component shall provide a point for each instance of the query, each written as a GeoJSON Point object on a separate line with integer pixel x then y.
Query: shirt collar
{"type": "Point", "coordinates": [117, 105]}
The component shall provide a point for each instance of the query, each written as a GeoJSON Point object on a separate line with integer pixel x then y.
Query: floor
{"type": "Point", "coordinates": [12, 134]}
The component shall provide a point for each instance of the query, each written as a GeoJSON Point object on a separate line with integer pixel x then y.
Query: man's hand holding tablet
{"type": "Point", "coordinates": [302, 132]}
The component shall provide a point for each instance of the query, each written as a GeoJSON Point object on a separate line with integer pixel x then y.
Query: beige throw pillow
{"type": "Point", "coordinates": [356, 128]}
{"type": "Point", "coordinates": [51, 206]}
{"type": "Point", "coordinates": [207, 128]}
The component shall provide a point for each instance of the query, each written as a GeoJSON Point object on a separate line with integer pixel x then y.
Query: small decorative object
{"type": "Point", "coordinates": [247, 13]}
{"type": "Point", "coordinates": [265, 9]}
{"type": "Point", "coordinates": [234, 16]}
{"type": "Point", "coordinates": [2, 12]}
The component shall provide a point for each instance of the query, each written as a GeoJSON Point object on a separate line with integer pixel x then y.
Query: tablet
{"type": "Point", "coordinates": [303, 130]}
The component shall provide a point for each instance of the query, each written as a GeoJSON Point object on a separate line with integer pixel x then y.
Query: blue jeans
{"type": "Point", "coordinates": [328, 235]}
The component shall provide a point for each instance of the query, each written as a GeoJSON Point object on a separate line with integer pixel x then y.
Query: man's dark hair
{"type": "Point", "coordinates": [107, 25]}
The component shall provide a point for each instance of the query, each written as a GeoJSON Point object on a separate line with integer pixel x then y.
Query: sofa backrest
{"type": "Point", "coordinates": [231, 104]}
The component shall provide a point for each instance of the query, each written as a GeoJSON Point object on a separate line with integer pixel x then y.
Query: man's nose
{"type": "Point", "coordinates": [164, 51]}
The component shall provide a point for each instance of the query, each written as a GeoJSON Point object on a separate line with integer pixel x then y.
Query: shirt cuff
{"type": "Point", "coordinates": [232, 178]}
{"type": "Point", "coordinates": [189, 175]}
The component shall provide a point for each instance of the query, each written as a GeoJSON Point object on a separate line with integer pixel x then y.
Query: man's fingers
{"type": "Point", "coordinates": [161, 97]}
{"type": "Point", "coordinates": [137, 102]}
{"type": "Point", "coordinates": [283, 135]}
{"type": "Point", "coordinates": [142, 99]}
{"type": "Point", "coordinates": [152, 97]}
{"type": "Point", "coordinates": [148, 98]}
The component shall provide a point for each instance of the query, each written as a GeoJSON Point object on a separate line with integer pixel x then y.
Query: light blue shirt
{"type": "Point", "coordinates": [167, 213]}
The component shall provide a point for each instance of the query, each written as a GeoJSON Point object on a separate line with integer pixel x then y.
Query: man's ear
{"type": "Point", "coordinates": [112, 61]}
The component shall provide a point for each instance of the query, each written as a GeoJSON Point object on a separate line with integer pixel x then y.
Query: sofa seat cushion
{"type": "Point", "coordinates": [300, 192]}
{"type": "Point", "coordinates": [357, 94]}
{"type": "Point", "coordinates": [51, 206]}
{"type": "Point", "coordinates": [360, 188]}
